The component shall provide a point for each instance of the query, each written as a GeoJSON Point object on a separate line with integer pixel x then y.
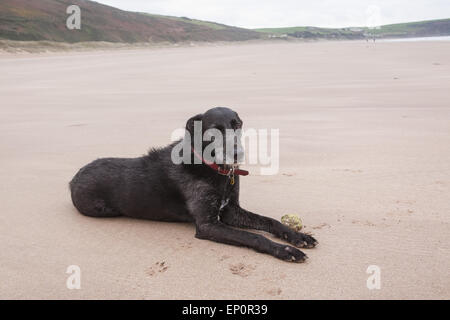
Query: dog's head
{"type": "Point", "coordinates": [218, 133]}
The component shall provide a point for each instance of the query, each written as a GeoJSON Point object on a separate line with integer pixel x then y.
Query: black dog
{"type": "Point", "coordinates": [154, 187]}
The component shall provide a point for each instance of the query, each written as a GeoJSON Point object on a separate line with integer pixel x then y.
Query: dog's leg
{"type": "Point", "coordinates": [237, 217]}
{"type": "Point", "coordinates": [219, 232]}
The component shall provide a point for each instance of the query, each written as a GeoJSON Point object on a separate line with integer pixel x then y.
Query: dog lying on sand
{"type": "Point", "coordinates": [203, 192]}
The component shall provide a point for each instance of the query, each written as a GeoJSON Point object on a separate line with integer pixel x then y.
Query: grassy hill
{"type": "Point", "coordinates": [38, 20]}
{"type": "Point", "coordinates": [46, 20]}
{"type": "Point", "coordinates": [399, 30]}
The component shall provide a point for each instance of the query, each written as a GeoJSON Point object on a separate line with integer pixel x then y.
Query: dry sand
{"type": "Point", "coordinates": [365, 161]}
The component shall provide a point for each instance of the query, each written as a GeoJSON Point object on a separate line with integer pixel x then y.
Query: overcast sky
{"type": "Point", "coordinates": [282, 13]}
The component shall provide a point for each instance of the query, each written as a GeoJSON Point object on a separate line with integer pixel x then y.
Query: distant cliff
{"type": "Point", "coordinates": [400, 30]}
{"type": "Point", "coordinates": [46, 20]}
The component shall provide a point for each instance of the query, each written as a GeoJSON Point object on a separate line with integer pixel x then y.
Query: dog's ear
{"type": "Point", "coordinates": [190, 123]}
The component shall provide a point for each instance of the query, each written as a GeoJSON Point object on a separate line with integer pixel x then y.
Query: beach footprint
{"type": "Point", "coordinates": [241, 269]}
{"type": "Point", "coordinates": [289, 174]}
{"type": "Point", "coordinates": [274, 292]}
{"type": "Point", "coordinates": [224, 257]}
{"type": "Point", "coordinates": [322, 225]}
{"type": "Point", "coordinates": [77, 125]}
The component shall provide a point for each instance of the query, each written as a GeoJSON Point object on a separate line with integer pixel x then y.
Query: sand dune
{"type": "Point", "coordinates": [365, 161]}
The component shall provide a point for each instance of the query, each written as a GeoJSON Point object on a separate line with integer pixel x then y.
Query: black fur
{"type": "Point", "coordinates": [153, 187]}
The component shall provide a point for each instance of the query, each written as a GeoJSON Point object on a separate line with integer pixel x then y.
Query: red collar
{"type": "Point", "coordinates": [217, 168]}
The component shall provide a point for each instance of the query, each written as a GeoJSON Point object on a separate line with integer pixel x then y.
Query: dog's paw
{"type": "Point", "coordinates": [301, 240]}
{"type": "Point", "coordinates": [290, 254]}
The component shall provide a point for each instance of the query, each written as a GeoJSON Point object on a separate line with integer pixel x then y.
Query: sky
{"type": "Point", "coordinates": [289, 13]}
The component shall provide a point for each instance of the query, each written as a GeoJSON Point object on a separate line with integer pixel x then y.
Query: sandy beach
{"type": "Point", "coordinates": [364, 160]}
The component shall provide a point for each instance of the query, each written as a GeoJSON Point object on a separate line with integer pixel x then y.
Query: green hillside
{"type": "Point", "coordinates": [46, 20]}
{"type": "Point", "coordinates": [400, 30]}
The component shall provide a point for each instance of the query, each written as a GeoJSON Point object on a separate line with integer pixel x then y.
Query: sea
{"type": "Point", "coordinates": [442, 38]}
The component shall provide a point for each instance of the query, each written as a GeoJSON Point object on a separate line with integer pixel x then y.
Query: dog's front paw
{"type": "Point", "coordinates": [290, 254]}
{"type": "Point", "coordinates": [301, 240]}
